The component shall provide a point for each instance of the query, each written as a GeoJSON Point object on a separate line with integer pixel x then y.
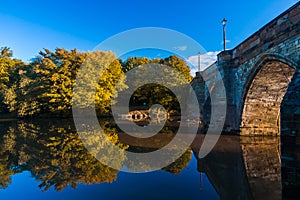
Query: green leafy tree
{"type": "Point", "coordinates": [55, 74]}
{"type": "Point", "coordinates": [7, 66]}
{"type": "Point", "coordinates": [147, 95]}
{"type": "Point", "coordinates": [100, 82]}
{"type": "Point", "coordinates": [179, 65]}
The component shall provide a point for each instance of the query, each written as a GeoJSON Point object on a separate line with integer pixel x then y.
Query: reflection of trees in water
{"type": "Point", "coordinates": [7, 161]}
{"type": "Point", "coordinates": [56, 157]}
{"type": "Point", "coordinates": [180, 164]}
{"type": "Point", "coordinates": [148, 165]}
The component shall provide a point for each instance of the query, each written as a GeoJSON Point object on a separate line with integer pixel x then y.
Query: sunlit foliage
{"type": "Point", "coordinates": [45, 85]}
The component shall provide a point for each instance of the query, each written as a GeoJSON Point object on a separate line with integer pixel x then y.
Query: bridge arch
{"type": "Point", "coordinates": [263, 93]}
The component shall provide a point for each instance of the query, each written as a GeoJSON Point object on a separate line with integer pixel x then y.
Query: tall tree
{"type": "Point", "coordinates": [144, 97]}
{"type": "Point", "coordinates": [101, 81]}
{"type": "Point", "coordinates": [8, 66]}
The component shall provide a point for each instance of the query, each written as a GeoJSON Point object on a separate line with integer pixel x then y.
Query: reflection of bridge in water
{"type": "Point", "coordinates": [238, 167]}
{"type": "Point", "coordinates": [144, 115]}
{"type": "Point", "coordinates": [244, 167]}
{"type": "Point", "coordinates": [136, 115]}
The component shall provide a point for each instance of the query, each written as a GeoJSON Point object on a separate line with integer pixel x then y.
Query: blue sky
{"type": "Point", "coordinates": [29, 26]}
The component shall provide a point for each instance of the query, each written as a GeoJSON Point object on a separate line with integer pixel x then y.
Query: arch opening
{"type": "Point", "coordinates": [261, 109]}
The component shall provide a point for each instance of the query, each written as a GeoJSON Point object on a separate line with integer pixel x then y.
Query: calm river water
{"type": "Point", "coordinates": [46, 160]}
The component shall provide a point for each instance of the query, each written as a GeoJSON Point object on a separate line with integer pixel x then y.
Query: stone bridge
{"type": "Point", "coordinates": [261, 78]}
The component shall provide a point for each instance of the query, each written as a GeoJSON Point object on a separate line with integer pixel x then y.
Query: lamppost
{"type": "Point", "coordinates": [224, 33]}
{"type": "Point", "coordinates": [199, 65]}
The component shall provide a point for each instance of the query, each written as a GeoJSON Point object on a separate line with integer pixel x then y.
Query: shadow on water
{"type": "Point", "coordinates": [237, 167]}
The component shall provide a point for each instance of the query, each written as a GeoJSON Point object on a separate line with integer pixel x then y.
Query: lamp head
{"type": "Point", "coordinates": [224, 21]}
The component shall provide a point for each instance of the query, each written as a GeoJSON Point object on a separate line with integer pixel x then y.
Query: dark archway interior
{"type": "Point", "coordinates": [261, 111]}
{"type": "Point", "coordinates": [290, 108]}
{"type": "Point", "coordinates": [290, 139]}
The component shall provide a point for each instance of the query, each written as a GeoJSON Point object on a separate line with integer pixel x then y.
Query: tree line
{"type": "Point", "coordinates": [44, 86]}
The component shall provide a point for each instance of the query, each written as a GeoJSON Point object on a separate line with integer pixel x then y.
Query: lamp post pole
{"type": "Point", "coordinates": [199, 66]}
{"type": "Point", "coordinates": [224, 33]}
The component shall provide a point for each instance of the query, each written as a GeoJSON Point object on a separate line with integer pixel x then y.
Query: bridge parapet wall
{"type": "Point", "coordinates": [279, 40]}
